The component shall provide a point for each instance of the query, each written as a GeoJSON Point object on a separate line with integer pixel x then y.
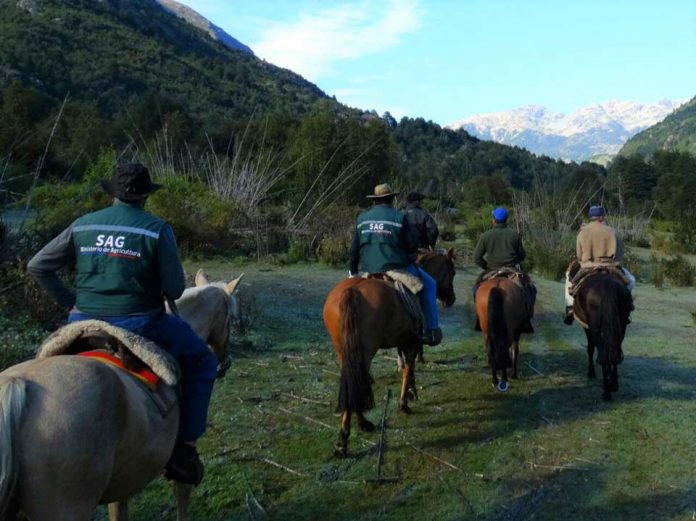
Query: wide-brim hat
{"type": "Point", "coordinates": [130, 182]}
{"type": "Point", "coordinates": [382, 191]}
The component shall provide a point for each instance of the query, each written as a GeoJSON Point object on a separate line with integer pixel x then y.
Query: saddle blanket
{"type": "Point", "coordinates": [145, 376]}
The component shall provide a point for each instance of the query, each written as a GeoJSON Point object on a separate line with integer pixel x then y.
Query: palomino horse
{"type": "Point", "coordinates": [501, 308]}
{"type": "Point", "coordinates": [364, 315]}
{"type": "Point", "coordinates": [75, 433]}
{"type": "Point", "coordinates": [603, 307]}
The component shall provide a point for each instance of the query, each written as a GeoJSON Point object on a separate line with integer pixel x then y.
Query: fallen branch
{"type": "Point", "coordinates": [387, 395]}
{"type": "Point", "coordinates": [251, 500]}
{"type": "Point", "coordinates": [302, 399]}
{"type": "Point", "coordinates": [556, 467]}
{"type": "Point", "coordinates": [331, 372]}
{"type": "Point", "coordinates": [309, 419]}
{"type": "Point", "coordinates": [283, 467]}
{"type": "Point", "coordinates": [533, 369]}
{"type": "Point", "coordinates": [440, 460]}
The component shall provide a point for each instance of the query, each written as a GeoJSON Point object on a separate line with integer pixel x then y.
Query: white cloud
{"type": "Point", "coordinates": [310, 45]}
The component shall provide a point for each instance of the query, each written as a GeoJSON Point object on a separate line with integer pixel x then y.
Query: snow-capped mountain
{"type": "Point", "coordinates": [197, 20]}
{"type": "Point", "coordinates": [599, 129]}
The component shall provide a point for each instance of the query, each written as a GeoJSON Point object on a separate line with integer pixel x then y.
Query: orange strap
{"type": "Point", "coordinates": [146, 376]}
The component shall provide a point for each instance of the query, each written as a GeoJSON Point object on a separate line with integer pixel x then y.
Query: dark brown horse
{"type": "Point", "coordinates": [365, 315]}
{"type": "Point", "coordinates": [603, 307]}
{"type": "Point", "coordinates": [501, 308]}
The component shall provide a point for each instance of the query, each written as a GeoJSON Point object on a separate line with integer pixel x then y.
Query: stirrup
{"type": "Point", "coordinates": [184, 466]}
{"type": "Point", "coordinates": [569, 316]}
{"type": "Point", "coordinates": [432, 337]}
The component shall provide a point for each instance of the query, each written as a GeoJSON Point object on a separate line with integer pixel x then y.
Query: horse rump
{"type": "Point", "coordinates": [498, 337]}
{"type": "Point", "coordinates": [355, 387]}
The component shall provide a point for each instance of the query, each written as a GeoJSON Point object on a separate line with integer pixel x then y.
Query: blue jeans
{"type": "Point", "coordinates": [428, 296]}
{"type": "Point", "coordinates": [197, 362]}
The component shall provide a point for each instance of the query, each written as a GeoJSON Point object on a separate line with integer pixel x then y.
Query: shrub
{"type": "Point", "coordinates": [657, 272]}
{"type": "Point", "coordinates": [632, 263]}
{"type": "Point", "coordinates": [679, 271]}
{"type": "Point", "coordinates": [334, 250]}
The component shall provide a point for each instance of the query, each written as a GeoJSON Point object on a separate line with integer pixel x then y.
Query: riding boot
{"type": "Point", "coordinates": [184, 465]}
{"type": "Point", "coordinates": [569, 315]}
{"type": "Point", "coordinates": [527, 326]}
{"type": "Point", "coordinates": [432, 337]}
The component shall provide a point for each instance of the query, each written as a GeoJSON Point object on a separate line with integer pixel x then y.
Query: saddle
{"type": "Point", "coordinates": [578, 275]}
{"type": "Point", "coordinates": [144, 360]}
{"type": "Point", "coordinates": [407, 286]}
{"type": "Point", "coordinates": [518, 277]}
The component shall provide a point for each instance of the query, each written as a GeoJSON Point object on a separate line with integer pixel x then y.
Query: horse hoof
{"type": "Point", "coordinates": [502, 386]}
{"type": "Point", "coordinates": [341, 452]}
{"type": "Point", "coordinates": [367, 426]}
{"type": "Point", "coordinates": [405, 409]}
{"type": "Point", "coordinates": [413, 394]}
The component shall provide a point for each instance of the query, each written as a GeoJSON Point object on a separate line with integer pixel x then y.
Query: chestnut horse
{"type": "Point", "coordinates": [603, 307]}
{"type": "Point", "coordinates": [75, 433]}
{"type": "Point", "coordinates": [365, 315]}
{"type": "Point", "coordinates": [501, 308]}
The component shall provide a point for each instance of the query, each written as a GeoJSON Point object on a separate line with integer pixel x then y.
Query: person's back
{"type": "Point", "coordinates": [596, 244]}
{"type": "Point", "coordinates": [421, 222]}
{"type": "Point", "coordinates": [500, 246]}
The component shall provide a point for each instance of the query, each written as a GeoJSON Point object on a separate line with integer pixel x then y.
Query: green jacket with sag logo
{"type": "Point", "coordinates": [382, 241]}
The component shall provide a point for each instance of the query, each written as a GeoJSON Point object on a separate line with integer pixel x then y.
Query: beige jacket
{"type": "Point", "coordinates": [598, 244]}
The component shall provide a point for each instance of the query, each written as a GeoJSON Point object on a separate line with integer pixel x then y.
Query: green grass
{"type": "Point", "coordinates": [549, 449]}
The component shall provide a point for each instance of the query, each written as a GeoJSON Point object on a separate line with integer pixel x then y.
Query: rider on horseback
{"type": "Point", "coordinates": [384, 241]}
{"type": "Point", "coordinates": [597, 245]}
{"type": "Point", "coordinates": [126, 262]}
{"type": "Point", "coordinates": [420, 220]}
{"type": "Point", "coordinates": [501, 247]}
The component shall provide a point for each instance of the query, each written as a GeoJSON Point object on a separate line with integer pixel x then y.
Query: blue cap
{"type": "Point", "coordinates": [500, 214]}
{"type": "Point", "coordinates": [596, 211]}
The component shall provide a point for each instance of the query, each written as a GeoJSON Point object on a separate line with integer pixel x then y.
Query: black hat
{"type": "Point", "coordinates": [130, 182]}
{"type": "Point", "coordinates": [414, 196]}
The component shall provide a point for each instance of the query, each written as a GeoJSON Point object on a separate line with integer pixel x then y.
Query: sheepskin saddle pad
{"type": "Point", "coordinates": [116, 346]}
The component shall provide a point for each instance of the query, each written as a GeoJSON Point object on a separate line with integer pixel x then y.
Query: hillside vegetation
{"type": "Point", "coordinates": [677, 132]}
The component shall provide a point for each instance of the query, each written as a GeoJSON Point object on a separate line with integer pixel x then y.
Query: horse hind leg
{"type": "Point", "coordinates": [341, 449]}
{"type": "Point", "coordinates": [606, 396]}
{"type": "Point", "coordinates": [614, 380]}
{"type": "Point", "coordinates": [590, 355]}
{"type": "Point", "coordinates": [514, 354]}
{"type": "Point", "coordinates": [408, 379]}
{"type": "Point", "coordinates": [182, 493]}
{"type": "Point", "coordinates": [364, 424]}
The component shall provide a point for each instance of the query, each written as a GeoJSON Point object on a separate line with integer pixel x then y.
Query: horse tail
{"type": "Point", "coordinates": [355, 388]}
{"type": "Point", "coordinates": [498, 338]}
{"type": "Point", "coordinates": [12, 402]}
{"type": "Point", "coordinates": [610, 329]}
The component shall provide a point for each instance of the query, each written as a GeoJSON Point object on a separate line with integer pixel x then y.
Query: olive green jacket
{"type": "Point", "coordinates": [498, 247]}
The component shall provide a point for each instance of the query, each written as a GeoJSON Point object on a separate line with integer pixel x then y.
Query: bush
{"type": "Point", "coordinates": [334, 250]}
{"type": "Point", "coordinates": [632, 263]}
{"type": "Point", "coordinates": [679, 271]}
{"type": "Point", "coordinates": [550, 263]}
{"type": "Point", "coordinates": [657, 272]}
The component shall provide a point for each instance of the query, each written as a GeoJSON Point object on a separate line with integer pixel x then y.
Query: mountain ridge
{"type": "Point", "coordinates": [197, 20]}
{"type": "Point", "coordinates": [596, 129]}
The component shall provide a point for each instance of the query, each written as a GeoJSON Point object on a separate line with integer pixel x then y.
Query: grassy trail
{"type": "Point", "coordinates": [549, 449]}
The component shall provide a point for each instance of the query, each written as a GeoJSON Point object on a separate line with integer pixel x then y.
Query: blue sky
{"type": "Point", "coordinates": [448, 59]}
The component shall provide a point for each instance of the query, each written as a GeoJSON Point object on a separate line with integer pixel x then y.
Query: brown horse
{"type": "Point", "coordinates": [501, 309]}
{"type": "Point", "coordinates": [76, 433]}
{"type": "Point", "coordinates": [364, 315]}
